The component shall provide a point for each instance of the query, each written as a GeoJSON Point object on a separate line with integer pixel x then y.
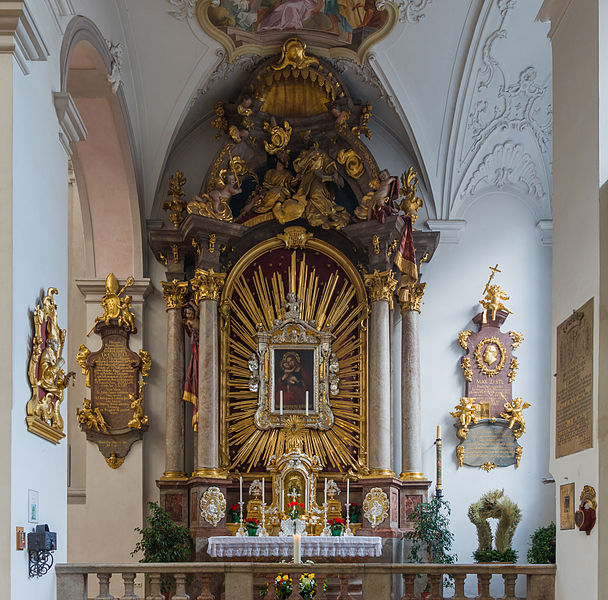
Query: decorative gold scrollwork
{"type": "Point", "coordinates": [375, 506]}
{"type": "Point", "coordinates": [490, 347]}
{"type": "Point", "coordinates": [213, 506]}
{"type": "Point", "coordinates": [295, 237]}
{"type": "Point", "coordinates": [517, 338]}
{"type": "Point", "coordinates": [207, 285]}
{"type": "Point", "coordinates": [463, 339]}
{"type": "Point", "coordinates": [279, 137]}
{"type": "Point", "coordinates": [487, 467]}
{"type": "Point", "coordinates": [466, 368]}
{"type": "Point", "coordinates": [174, 293]}
{"type": "Point", "coordinates": [352, 162]}
{"type": "Point", "coordinates": [380, 286]}
{"type": "Point", "coordinates": [176, 204]}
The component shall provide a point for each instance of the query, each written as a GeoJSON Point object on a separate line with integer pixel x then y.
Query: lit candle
{"type": "Point", "coordinates": [281, 402]}
{"type": "Point", "coordinates": [241, 488]}
{"type": "Point", "coordinates": [348, 491]}
{"type": "Point", "coordinates": [283, 501]}
{"type": "Point", "coordinates": [297, 558]}
{"type": "Point", "coordinates": [438, 447]}
{"type": "Point", "coordinates": [306, 402]}
{"type": "Point", "coordinates": [262, 490]}
{"type": "Point", "coordinates": [325, 498]}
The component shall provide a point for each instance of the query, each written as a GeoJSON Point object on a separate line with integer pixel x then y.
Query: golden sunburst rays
{"type": "Point", "coordinates": [329, 299]}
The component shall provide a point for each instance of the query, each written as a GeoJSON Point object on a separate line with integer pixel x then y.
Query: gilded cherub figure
{"type": "Point", "coordinates": [380, 202]}
{"type": "Point", "coordinates": [514, 413]}
{"type": "Point", "coordinates": [114, 307]}
{"type": "Point", "coordinates": [465, 412]}
{"type": "Point", "coordinates": [493, 298]}
{"type": "Point", "coordinates": [139, 419]}
{"type": "Point", "coordinates": [215, 204]}
{"type": "Point", "coordinates": [91, 418]}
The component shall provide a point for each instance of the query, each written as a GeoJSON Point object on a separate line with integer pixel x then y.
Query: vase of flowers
{"type": "Point", "coordinates": [234, 513]}
{"type": "Point", "coordinates": [295, 509]}
{"type": "Point", "coordinates": [283, 586]}
{"type": "Point", "coordinates": [354, 511]}
{"type": "Point", "coordinates": [336, 525]}
{"type": "Point", "coordinates": [252, 524]}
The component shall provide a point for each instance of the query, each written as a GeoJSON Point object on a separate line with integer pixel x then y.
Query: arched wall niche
{"type": "Point", "coordinates": [104, 164]}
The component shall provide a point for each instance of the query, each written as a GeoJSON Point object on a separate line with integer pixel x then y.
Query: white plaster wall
{"type": "Point", "coordinates": [576, 254]}
{"type": "Point", "coordinates": [500, 229]}
{"type": "Point", "coordinates": [39, 261]}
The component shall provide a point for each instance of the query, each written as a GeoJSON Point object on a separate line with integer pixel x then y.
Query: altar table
{"type": "Point", "coordinates": [227, 546]}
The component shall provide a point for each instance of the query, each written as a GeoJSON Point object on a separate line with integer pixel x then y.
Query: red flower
{"type": "Point", "coordinates": [301, 505]}
{"type": "Point", "coordinates": [336, 521]}
{"type": "Point", "coordinates": [234, 508]}
{"type": "Point", "coordinates": [252, 521]}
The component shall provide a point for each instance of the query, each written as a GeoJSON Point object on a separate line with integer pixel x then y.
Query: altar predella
{"type": "Point", "coordinates": [282, 273]}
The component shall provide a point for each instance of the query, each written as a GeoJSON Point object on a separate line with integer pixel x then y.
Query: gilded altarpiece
{"type": "Point", "coordinates": [329, 294]}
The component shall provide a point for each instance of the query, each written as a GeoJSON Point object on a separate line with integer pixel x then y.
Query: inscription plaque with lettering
{"type": "Point", "coordinates": [489, 443]}
{"type": "Point", "coordinates": [574, 385]}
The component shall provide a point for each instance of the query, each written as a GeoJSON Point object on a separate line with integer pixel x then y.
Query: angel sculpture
{"type": "Point", "coordinates": [215, 204]}
{"type": "Point", "coordinates": [465, 412]}
{"type": "Point", "coordinates": [514, 413]}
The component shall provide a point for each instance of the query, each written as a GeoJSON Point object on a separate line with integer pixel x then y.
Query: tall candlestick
{"type": "Point", "coordinates": [297, 557]}
{"type": "Point", "coordinates": [325, 495]}
{"type": "Point", "coordinates": [262, 490]}
{"type": "Point", "coordinates": [438, 447]}
{"type": "Point", "coordinates": [306, 402]}
{"type": "Point", "coordinates": [283, 501]}
{"type": "Point", "coordinates": [281, 402]}
{"type": "Point", "coordinates": [348, 491]}
{"type": "Point", "coordinates": [241, 488]}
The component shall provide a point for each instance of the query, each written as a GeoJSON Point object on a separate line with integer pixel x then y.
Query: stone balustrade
{"type": "Point", "coordinates": [346, 581]}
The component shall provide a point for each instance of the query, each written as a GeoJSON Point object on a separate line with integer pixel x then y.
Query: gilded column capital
{"type": "Point", "coordinates": [174, 293]}
{"type": "Point", "coordinates": [207, 285]}
{"type": "Point", "coordinates": [380, 285]}
{"type": "Point", "coordinates": [410, 296]}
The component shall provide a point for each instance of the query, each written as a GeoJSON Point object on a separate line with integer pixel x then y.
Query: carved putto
{"type": "Point", "coordinates": [47, 378]}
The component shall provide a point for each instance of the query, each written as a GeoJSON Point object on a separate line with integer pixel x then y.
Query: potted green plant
{"type": "Point", "coordinates": [336, 525]}
{"type": "Point", "coordinates": [431, 536]}
{"type": "Point", "coordinates": [542, 549]}
{"type": "Point", "coordinates": [234, 512]}
{"type": "Point", "coordinates": [354, 511]}
{"type": "Point", "coordinates": [495, 505]}
{"type": "Point", "coordinates": [163, 541]}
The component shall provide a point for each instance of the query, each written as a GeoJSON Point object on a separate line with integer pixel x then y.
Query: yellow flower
{"type": "Point", "coordinates": [311, 576]}
{"type": "Point", "coordinates": [285, 577]}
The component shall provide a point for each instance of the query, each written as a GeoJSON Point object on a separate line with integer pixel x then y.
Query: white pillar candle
{"type": "Point", "coordinates": [241, 488]}
{"type": "Point", "coordinates": [297, 557]}
{"type": "Point", "coordinates": [283, 501]}
{"type": "Point", "coordinates": [281, 402]}
{"type": "Point", "coordinates": [348, 491]}
{"type": "Point", "coordinates": [306, 402]}
{"type": "Point", "coordinates": [325, 494]}
{"type": "Point", "coordinates": [262, 490]}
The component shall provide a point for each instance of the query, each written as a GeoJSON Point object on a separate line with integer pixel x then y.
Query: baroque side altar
{"type": "Point", "coordinates": [285, 277]}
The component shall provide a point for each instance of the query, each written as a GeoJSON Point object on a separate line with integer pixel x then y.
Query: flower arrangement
{"type": "Point", "coordinates": [336, 525]}
{"type": "Point", "coordinates": [295, 509]}
{"type": "Point", "coordinates": [354, 512]}
{"type": "Point", "coordinates": [283, 586]}
{"type": "Point", "coordinates": [252, 524]}
{"type": "Point", "coordinates": [235, 513]}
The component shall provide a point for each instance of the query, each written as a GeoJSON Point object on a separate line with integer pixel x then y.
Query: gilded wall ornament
{"type": "Point", "coordinates": [488, 466]}
{"type": "Point", "coordinates": [352, 162]}
{"type": "Point", "coordinates": [494, 297]}
{"type": "Point", "coordinates": [513, 369]}
{"type": "Point", "coordinates": [490, 355]}
{"type": "Point", "coordinates": [213, 506]}
{"type": "Point", "coordinates": [116, 308]}
{"type": "Point", "coordinates": [463, 338]}
{"type": "Point", "coordinates": [466, 368]}
{"type": "Point", "coordinates": [411, 202]}
{"type": "Point", "coordinates": [375, 506]}
{"type": "Point", "coordinates": [295, 237]}
{"type": "Point", "coordinates": [380, 286]}
{"type": "Point", "coordinates": [175, 293]}
{"type": "Point", "coordinates": [279, 137]}
{"type": "Point", "coordinates": [514, 413]}
{"type": "Point", "coordinates": [207, 285]}
{"type": "Point", "coordinates": [517, 338]}
{"type": "Point", "coordinates": [47, 378]}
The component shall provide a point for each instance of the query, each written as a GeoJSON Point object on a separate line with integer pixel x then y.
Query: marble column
{"type": "Point", "coordinates": [381, 286]}
{"type": "Point", "coordinates": [175, 293]}
{"type": "Point", "coordinates": [410, 299]}
{"type": "Point", "coordinates": [207, 286]}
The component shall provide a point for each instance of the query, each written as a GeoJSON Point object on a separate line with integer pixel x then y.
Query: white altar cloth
{"type": "Point", "coordinates": [227, 546]}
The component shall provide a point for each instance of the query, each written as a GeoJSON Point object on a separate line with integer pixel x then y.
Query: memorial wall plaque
{"type": "Point", "coordinates": [574, 384]}
{"type": "Point", "coordinates": [490, 419]}
{"type": "Point", "coordinates": [114, 417]}
{"type": "Point", "coordinates": [566, 506]}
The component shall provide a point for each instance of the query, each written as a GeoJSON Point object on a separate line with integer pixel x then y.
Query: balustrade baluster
{"type": "Point", "coordinates": [344, 583]}
{"type": "Point", "coordinates": [510, 581]}
{"type": "Point", "coordinates": [206, 588]}
{"type": "Point", "coordinates": [154, 587]}
{"type": "Point", "coordinates": [321, 592]}
{"type": "Point", "coordinates": [459, 587]}
{"type": "Point", "coordinates": [295, 586]}
{"type": "Point", "coordinates": [271, 593]}
{"type": "Point", "coordinates": [409, 581]}
{"type": "Point", "coordinates": [436, 587]}
{"type": "Point", "coordinates": [483, 586]}
{"type": "Point", "coordinates": [104, 587]}
{"type": "Point", "coordinates": [128, 580]}
{"type": "Point", "coordinates": [180, 587]}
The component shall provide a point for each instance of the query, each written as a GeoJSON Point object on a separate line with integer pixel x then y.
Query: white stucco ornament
{"type": "Point", "coordinates": [213, 506]}
{"type": "Point", "coordinates": [375, 506]}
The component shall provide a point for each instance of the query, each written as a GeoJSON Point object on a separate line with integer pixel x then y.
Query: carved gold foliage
{"type": "Point", "coordinates": [376, 244]}
{"type": "Point", "coordinates": [482, 360]}
{"type": "Point", "coordinates": [176, 204]}
{"type": "Point", "coordinates": [213, 506]}
{"type": "Point", "coordinates": [466, 368]}
{"type": "Point", "coordinates": [279, 137]}
{"type": "Point", "coordinates": [375, 506]}
{"type": "Point", "coordinates": [220, 122]}
{"type": "Point", "coordinates": [207, 285]}
{"type": "Point", "coordinates": [81, 359]}
{"type": "Point", "coordinates": [175, 293]}
{"type": "Point", "coordinates": [115, 461]}
{"type": "Point", "coordinates": [517, 338]}
{"type": "Point", "coordinates": [411, 202]}
{"type": "Point", "coordinates": [460, 455]}
{"type": "Point", "coordinates": [363, 128]}
{"type": "Point", "coordinates": [380, 286]}
{"type": "Point", "coordinates": [463, 338]}
{"type": "Point", "coordinates": [513, 369]}
{"type": "Point", "coordinates": [518, 453]}
{"type": "Point", "coordinates": [295, 237]}
{"type": "Point", "coordinates": [487, 467]}
{"type": "Point", "coordinates": [352, 162]}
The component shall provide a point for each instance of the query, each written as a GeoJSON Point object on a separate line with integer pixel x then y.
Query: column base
{"type": "Point", "coordinates": [210, 473]}
{"type": "Point", "coordinates": [412, 476]}
{"type": "Point", "coordinates": [173, 476]}
{"type": "Point", "coordinates": [379, 474]}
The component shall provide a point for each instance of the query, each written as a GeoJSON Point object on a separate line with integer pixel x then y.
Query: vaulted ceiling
{"type": "Point", "coordinates": [463, 87]}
